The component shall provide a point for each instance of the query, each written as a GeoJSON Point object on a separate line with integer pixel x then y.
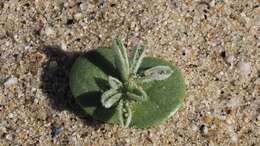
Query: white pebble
{"type": "Point", "coordinates": [3, 129]}
{"type": "Point", "coordinates": [244, 67]}
{"type": "Point", "coordinates": [10, 115]}
{"type": "Point", "coordinates": [234, 139]}
{"type": "Point", "coordinates": [49, 31]}
{"type": "Point", "coordinates": [9, 137]}
{"type": "Point", "coordinates": [10, 82]}
{"type": "Point", "coordinates": [194, 127]}
{"type": "Point", "coordinates": [78, 16]}
{"type": "Point", "coordinates": [234, 102]}
{"type": "Point", "coordinates": [231, 59]}
{"type": "Point", "coordinates": [204, 129]}
{"type": "Point", "coordinates": [63, 46]}
{"type": "Point", "coordinates": [257, 81]}
{"type": "Point", "coordinates": [233, 135]}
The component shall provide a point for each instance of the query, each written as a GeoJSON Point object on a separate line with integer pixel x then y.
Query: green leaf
{"type": "Point", "coordinates": [135, 96]}
{"type": "Point", "coordinates": [125, 117]}
{"type": "Point", "coordinates": [136, 92]}
{"type": "Point", "coordinates": [120, 113]}
{"type": "Point", "coordinates": [114, 82]}
{"type": "Point", "coordinates": [137, 58]}
{"type": "Point", "coordinates": [129, 116]}
{"type": "Point", "coordinates": [121, 58]}
{"type": "Point", "coordinates": [157, 73]}
{"type": "Point", "coordinates": [110, 97]}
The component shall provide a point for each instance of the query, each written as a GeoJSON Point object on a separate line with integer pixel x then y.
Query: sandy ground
{"type": "Point", "coordinates": [214, 42]}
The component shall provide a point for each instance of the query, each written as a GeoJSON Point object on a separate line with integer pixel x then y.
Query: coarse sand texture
{"type": "Point", "coordinates": [214, 43]}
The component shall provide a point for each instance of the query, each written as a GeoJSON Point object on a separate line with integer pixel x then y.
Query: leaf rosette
{"type": "Point", "coordinates": [133, 91]}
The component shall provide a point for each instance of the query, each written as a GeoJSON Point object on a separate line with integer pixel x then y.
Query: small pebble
{"type": "Point", "coordinates": [10, 137]}
{"type": "Point", "coordinates": [234, 139]}
{"type": "Point", "coordinates": [10, 82]}
{"type": "Point", "coordinates": [233, 102]}
{"type": "Point", "coordinates": [3, 129]}
{"type": "Point", "coordinates": [223, 54]}
{"type": "Point", "coordinates": [194, 127]}
{"type": "Point", "coordinates": [49, 31]}
{"type": "Point", "coordinates": [63, 46]}
{"type": "Point", "coordinates": [78, 16]}
{"type": "Point", "coordinates": [244, 67]}
{"type": "Point", "coordinates": [204, 129]}
{"type": "Point", "coordinates": [257, 81]}
{"type": "Point", "coordinates": [231, 59]}
{"type": "Point", "coordinates": [229, 120]}
{"type": "Point", "coordinates": [55, 130]}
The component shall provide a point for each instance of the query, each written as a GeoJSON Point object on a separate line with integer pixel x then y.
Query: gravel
{"type": "Point", "coordinates": [10, 82]}
{"type": "Point", "coordinates": [244, 67]}
{"type": "Point", "coordinates": [215, 44]}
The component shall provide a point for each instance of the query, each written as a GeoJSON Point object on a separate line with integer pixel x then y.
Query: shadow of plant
{"type": "Point", "coordinates": [55, 82]}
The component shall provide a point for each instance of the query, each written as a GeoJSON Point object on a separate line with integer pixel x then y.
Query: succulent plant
{"type": "Point", "coordinates": [133, 91]}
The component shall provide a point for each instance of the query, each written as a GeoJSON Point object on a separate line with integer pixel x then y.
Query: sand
{"type": "Point", "coordinates": [214, 43]}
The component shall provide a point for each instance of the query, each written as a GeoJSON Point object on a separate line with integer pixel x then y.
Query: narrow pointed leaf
{"type": "Point", "coordinates": [120, 113]}
{"type": "Point", "coordinates": [134, 96]}
{"type": "Point", "coordinates": [157, 73]}
{"type": "Point", "coordinates": [137, 58]}
{"type": "Point", "coordinates": [129, 116]}
{"type": "Point", "coordinates": [124, 121]}
{"type": "Point", "coordinates": [121, 58]}
{"type": "Point", "coordinates": [136, 92]}
{"type": "Point", "coordinates": [123, 51]}
{"type": "Point", "coordinates": [110, 97]}
{"type": "Point", "coordinates": [114, 82]}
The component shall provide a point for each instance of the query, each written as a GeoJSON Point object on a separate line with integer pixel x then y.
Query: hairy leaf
{"type": "Point", "coordinates": [124, 121]}
{"type": "Point", "coordinates": [137, 58]}
{"type": "Point", "coordinates": [110, 97]}
{"type": "Point", "coordinates": [129, 116]}
{"type": "Point", "coordinates": [84, 88]}
{"type": "Point", "coordinates": [114, 82]}
{"type": "Point", "coordinates": [157, 73]}
{"type": "Point", "coordinates": [121, 58]}
{"type": "Point", "coordinates": [120, 113]}
{"type": "Point", "coordinates": [135, 97]}
{"type": "Point", "coordinates": [137, 93]}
